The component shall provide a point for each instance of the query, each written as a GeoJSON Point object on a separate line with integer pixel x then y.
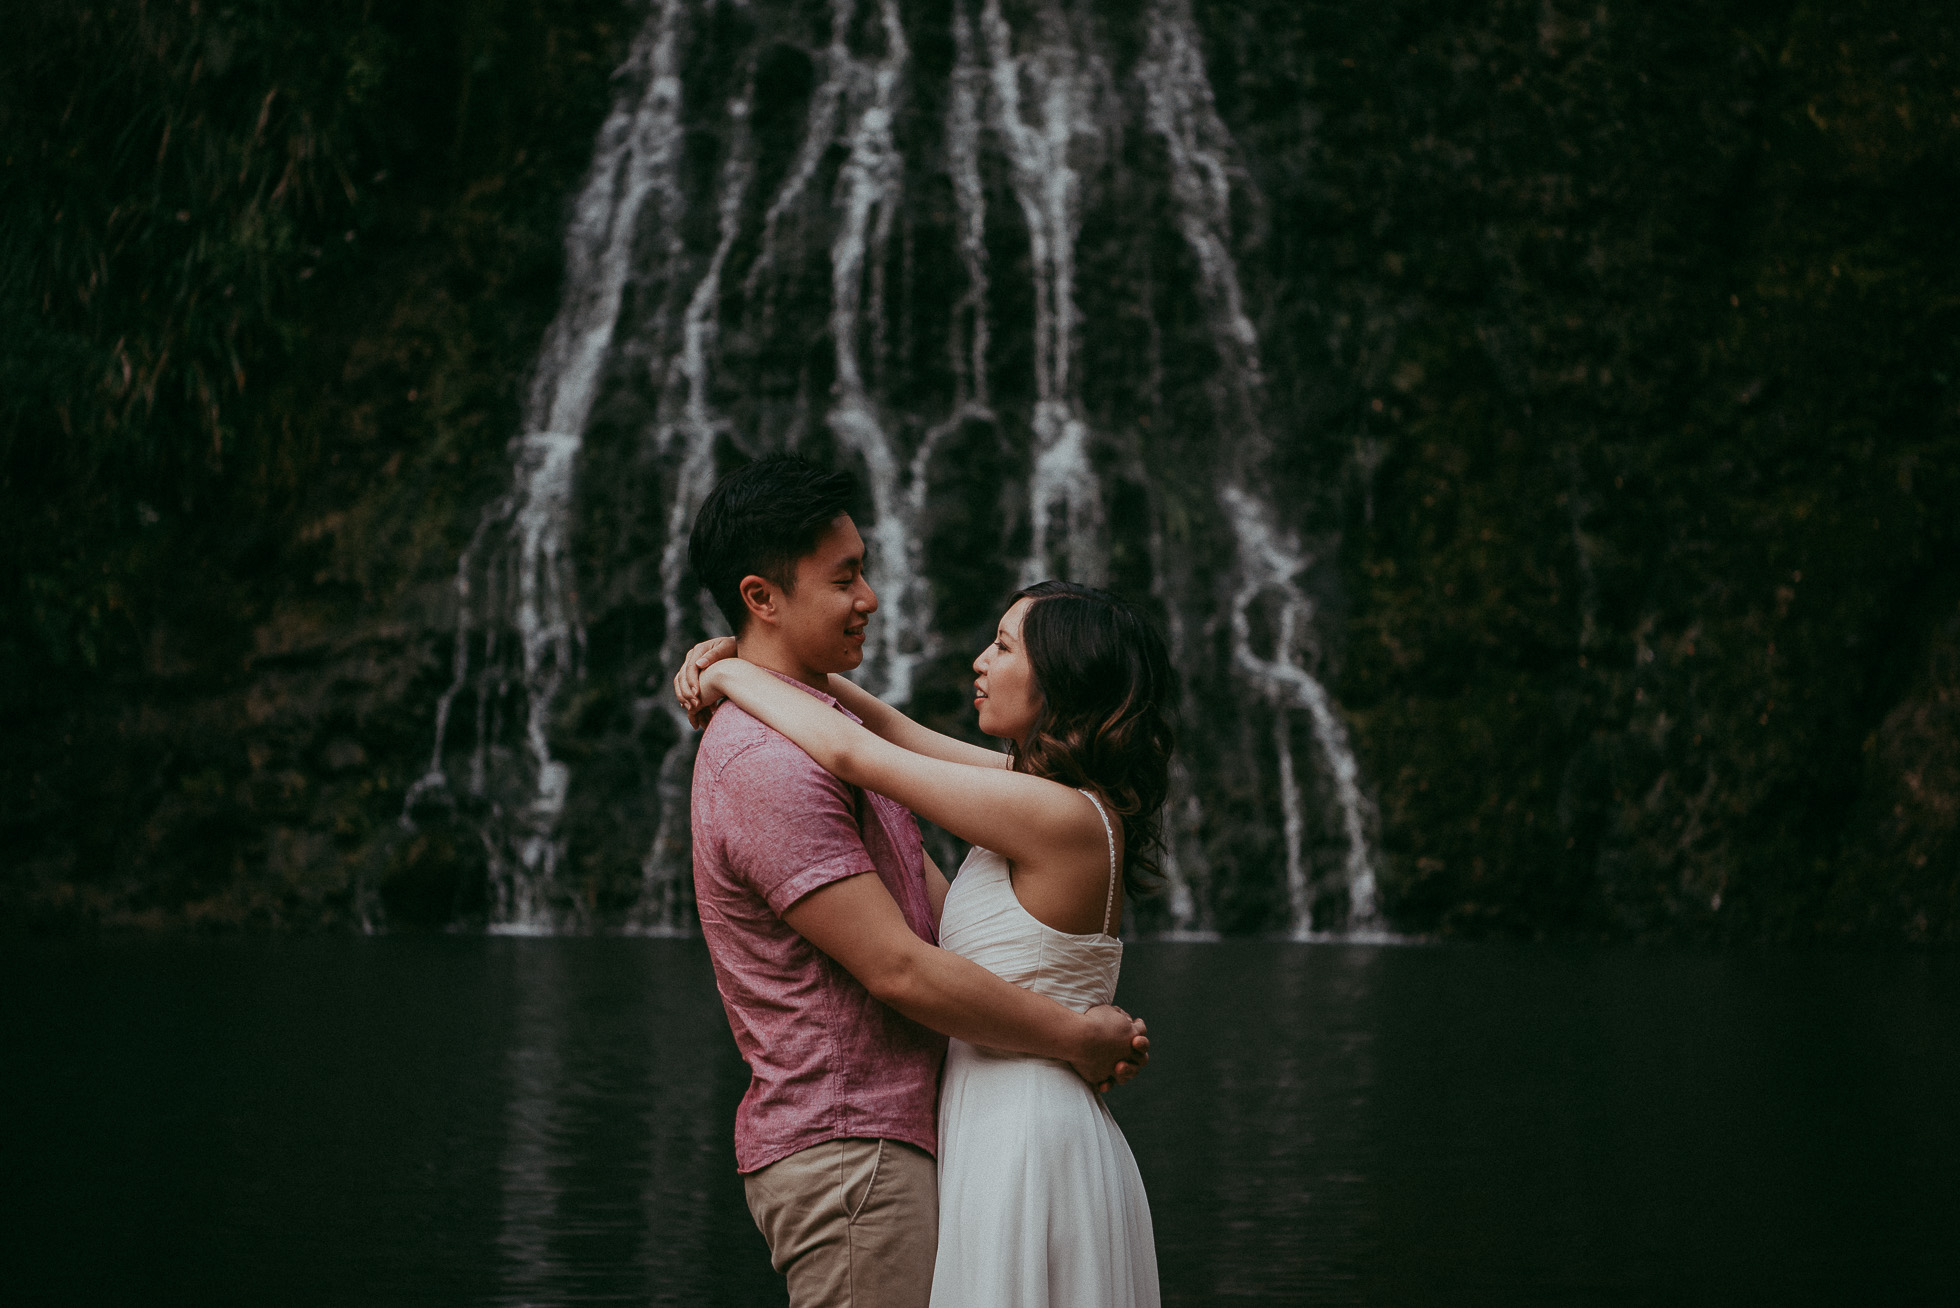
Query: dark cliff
{"type": "Point", "coordinates": [1609, 363]}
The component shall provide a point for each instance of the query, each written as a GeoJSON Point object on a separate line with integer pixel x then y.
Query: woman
{"type": "Point", "coordinates": [1040, 1203]}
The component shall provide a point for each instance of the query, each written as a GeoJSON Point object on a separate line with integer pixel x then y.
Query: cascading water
{"type": "Point", "coordinates": [882, 263]}
{"type": "Point", "coordinates": [514, 583]}
{"type": "Point", "coordinates": [662, 906]}
{"type": "Point", "coordinates": [868, 192]}
{"type": "Point", "coordinates": [1182, 113]}
{"type": "Point", "coordinates": [1043, 132]}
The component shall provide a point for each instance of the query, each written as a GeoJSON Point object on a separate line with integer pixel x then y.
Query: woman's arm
{"type": "Point", "coordinates": [884, 720]}
{"type": "Point", "coordinates": [1011, 813]}
{"type": "Point", "coordinates": [888, 723]}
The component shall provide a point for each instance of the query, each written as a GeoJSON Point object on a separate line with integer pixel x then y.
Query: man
{"type": "Point", "coordinates": [819, 905]}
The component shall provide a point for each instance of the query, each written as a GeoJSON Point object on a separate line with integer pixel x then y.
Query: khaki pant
{"type": "Point", "coordinates": [851, 1223]}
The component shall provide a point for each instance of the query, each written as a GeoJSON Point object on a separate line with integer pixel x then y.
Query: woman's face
{"type": "Point", "coordinates": [1004, 690]}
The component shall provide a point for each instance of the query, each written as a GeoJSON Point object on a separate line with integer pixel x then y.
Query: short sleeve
{"type": "Point", "coordinates": [787, 827]}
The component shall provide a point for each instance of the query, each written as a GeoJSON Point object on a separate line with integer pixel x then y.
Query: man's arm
{"type": "Point", "coordinates": [856, 922]}
{"type": "Point", "coordinates": [936, 887]}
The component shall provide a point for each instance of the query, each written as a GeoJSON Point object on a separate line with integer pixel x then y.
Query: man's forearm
{"type": "Point", "coordinates": [858, 924]}
{"type": "Point", "coordinates": [957, 997]}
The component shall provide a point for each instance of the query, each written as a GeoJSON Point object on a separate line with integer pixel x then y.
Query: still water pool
{"type": "Point", "coordinates": [495, 1121]}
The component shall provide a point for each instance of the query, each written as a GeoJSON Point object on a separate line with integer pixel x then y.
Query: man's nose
{"type": "Point", "coordinates": [867, 601]}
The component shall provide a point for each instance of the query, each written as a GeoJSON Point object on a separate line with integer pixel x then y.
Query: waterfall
{"type": "Point", "coordinates": [1270, 563]}
{"type": "Point", "coordinates": [664, 871]}
{"type": "Point", "coordinates": [1181, 112]}
{"type": "Point", "coordinates": [869, 188]}
{"type": "Point", "coordinates": [850, 256]}
{"type": "Point", "coordinates": [1064, 498]}
{"type": "Point", "coordinates": [515, 578]}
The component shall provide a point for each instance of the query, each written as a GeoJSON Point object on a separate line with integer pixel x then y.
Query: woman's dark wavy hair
{"type": "Point", "coordinates": [1106, 689]}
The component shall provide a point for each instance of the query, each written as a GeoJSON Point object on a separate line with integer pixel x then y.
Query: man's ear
{"type": "Point", "coordinates": [759, 596]}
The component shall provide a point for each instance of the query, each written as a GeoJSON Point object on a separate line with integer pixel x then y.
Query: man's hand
{"type": "Point", "coordinates": [1115, 1050]}
{"type": "Point", "coordinates": [700, 705]}
{"type": "Point", "coordinates": [859, 925]}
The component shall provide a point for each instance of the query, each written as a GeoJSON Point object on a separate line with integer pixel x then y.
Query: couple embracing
{"type": "Point", "coordinates": [884, 1163]}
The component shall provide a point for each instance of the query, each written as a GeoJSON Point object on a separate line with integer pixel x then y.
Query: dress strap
{"type": "Point", "coordinates": [1109, 904]}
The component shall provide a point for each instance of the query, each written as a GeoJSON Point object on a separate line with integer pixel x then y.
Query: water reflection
{"type": "Point", "coordinates": [615, 1161]}
{"type": "Point", "coordinates": [534, 1129]}
{"type": "Point", "coordinates": [524, 1121]}
{"type": "Point", "coordinates": [1336, 1125]}
{"type": "Point", "coordinates": [1254, 1126]}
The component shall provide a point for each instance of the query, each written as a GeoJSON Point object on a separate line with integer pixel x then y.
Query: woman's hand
{"type": "Point", "coordinates": [700, 703]}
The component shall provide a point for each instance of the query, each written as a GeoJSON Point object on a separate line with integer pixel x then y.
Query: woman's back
{"type": "Point", "coordinates": [1040, 1202]}
{"type": "Point", "coordinates": [983, 920]}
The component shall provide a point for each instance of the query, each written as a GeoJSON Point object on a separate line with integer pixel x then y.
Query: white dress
{"type": "Point", "coordinates": [1040, 1203]}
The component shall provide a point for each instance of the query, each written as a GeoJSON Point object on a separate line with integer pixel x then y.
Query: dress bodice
{"type": "Point", "coordinates": [984, 921]}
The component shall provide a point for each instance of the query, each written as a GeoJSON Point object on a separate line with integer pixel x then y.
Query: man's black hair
{"type": "Point", "coordinates": [761, 519]}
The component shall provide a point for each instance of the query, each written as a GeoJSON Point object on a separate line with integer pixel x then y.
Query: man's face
{"type": "Point", "coordinates": [822, 620]}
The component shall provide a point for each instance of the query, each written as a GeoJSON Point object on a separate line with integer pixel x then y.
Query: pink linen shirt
{"type": "Point", "coordinates": [826, 1060]}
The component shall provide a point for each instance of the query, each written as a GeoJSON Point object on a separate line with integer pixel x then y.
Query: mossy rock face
{"type": "Point", "coordinates": [280, 274]}
{"type": "Point", "coordinates": [1608, 361]}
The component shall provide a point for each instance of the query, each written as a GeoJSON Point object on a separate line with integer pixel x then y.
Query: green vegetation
{"type": "Point", "coordinates": [270, 273]}
{"type": "Point", "coordinates": [1648, 322]}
